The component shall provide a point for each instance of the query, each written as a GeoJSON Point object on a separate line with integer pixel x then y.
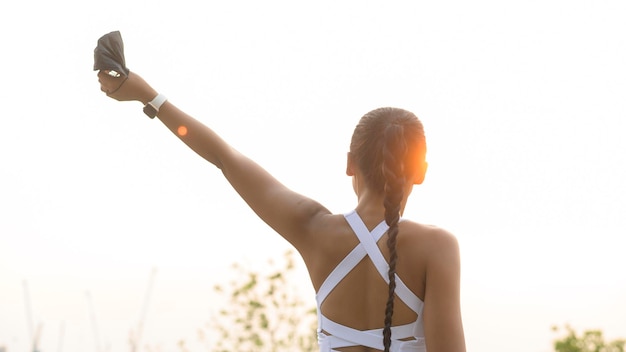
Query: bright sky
{"type": "Point", "coordinates": [523, 105]}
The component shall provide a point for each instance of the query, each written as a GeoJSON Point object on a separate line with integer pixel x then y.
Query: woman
{"type": "Point", "coordinates": [364, 304]}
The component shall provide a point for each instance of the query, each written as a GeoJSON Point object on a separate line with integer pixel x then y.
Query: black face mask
{"type": "Point", "coordinates": [109, 55]}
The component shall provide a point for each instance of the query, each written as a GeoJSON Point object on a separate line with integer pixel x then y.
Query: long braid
{"type": "Point", "coordinates": [387, 144]}
{"type": "Point", "coordinates": [394, 152]}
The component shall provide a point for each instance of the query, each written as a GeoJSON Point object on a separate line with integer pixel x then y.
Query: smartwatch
{"type": "Point", "coordinates": [152, 108]}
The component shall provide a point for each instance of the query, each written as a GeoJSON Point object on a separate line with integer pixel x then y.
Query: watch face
{"type": "Point", "coordinates": [150, 110]}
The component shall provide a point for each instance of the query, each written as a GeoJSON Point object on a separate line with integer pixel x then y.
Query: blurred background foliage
{"type": "Point", "coordinates": [587, 341]}
{"type": "Point", "coordinates": [264, 312]}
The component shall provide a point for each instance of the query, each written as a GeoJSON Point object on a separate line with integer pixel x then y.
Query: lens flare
{"type": "Point", "coordinates": [182, 131]}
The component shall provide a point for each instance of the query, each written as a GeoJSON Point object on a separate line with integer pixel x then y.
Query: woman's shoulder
{"type": "Point", "coordinates": [418, 228]}
{"type": "Point", "coordinates": [331, 230]}
{"type": "Point", "coordinates": [427, 236]}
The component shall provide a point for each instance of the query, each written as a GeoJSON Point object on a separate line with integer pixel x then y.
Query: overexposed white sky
{"type": "Point", "coordinates": [523, 105]}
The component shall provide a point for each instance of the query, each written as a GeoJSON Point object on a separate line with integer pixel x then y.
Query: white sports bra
{"type": "Point", "coordinates": [331, 335]}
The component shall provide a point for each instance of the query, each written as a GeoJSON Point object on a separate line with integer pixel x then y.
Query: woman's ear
{"type": "Point", "coordinates": [350, 167]}
{"type": "Point", "coordinates": [420, 175]}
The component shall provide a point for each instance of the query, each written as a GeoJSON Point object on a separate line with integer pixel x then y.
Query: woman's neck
{"type": "Point", "coordinates": [371, 205]}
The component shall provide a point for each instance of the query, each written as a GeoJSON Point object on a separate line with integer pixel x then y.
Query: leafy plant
{"type": "Point", "coordinates": [265, 312]}
{"type": "Point", "coordinates": [588, 341]}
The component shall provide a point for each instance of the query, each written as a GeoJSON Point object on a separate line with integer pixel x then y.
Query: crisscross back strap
{"type": "Point", "coordinates": [369, 244]}
{"type": "Point", "coordinates": [344, 336]}
{"type": "Point", "coordinates": [333, 335]}
{"type": "Point", "coordinates": [347, 264]}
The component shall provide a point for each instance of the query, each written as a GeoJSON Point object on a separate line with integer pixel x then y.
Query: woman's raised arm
{"type": "Point", "coordinates": [290, 214]}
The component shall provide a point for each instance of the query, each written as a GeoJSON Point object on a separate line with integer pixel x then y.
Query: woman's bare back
{"type": "Point", "coordinates": [351, 302]}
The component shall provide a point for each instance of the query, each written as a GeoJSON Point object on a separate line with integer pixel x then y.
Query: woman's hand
{"type": "Point", "coordinates": [126, 88]}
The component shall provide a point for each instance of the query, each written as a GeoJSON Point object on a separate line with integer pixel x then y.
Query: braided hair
{"type": "Point", "coordinates": [386, 145]}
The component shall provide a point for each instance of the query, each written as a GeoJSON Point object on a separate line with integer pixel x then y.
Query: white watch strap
{"type": "Point", "coordinates": [158, 101]}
